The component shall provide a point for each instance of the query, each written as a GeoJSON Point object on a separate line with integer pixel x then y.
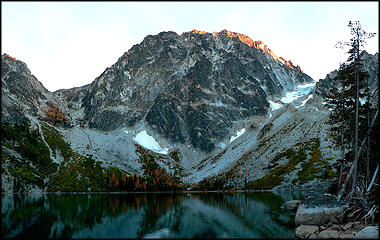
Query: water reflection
{"type": "Point", "coordinates": [152, 215]}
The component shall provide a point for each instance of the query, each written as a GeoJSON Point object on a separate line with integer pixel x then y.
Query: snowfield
{"type": "Point", "coordinates": [301, 90]}
{"type": "Point", "coordinates": [238, 134]}
{"type": "Point", "coordinates": [148, 142]}
{"type": "Point", "coordinates": [274, 106]}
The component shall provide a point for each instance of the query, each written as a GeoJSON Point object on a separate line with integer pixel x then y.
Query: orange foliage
{"type": "Point", "coordinates": [137, 185]}
{"type": "Point", "coordinates": [54, 114]}
{"type": "Point", "coordinates": [124, 178]}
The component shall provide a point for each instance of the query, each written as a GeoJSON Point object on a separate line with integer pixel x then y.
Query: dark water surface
{"type": "Point", "coordinates": [148, 215]}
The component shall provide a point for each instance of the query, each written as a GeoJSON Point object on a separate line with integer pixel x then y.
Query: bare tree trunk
{"type": "Point", "coordinates": [340, 174]}
{"type": "Point", "coordinates": [356, 158]}
{"type": "Point", "coordinates": [373, 178]}
{"type": "Point", "coordinates": [368, 138]}
{"type": "Point", "coordinates": [342, 154]}
{"type": "Point", "coordinates": [342, 138]}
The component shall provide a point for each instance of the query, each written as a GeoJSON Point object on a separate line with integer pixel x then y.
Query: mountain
{"type": "Point", "coordinates": [193, 88]}
{"type": "Point", "coordinates": [210, 109]}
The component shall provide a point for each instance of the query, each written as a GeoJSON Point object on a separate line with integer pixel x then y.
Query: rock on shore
{"type": "Point", "coordinates": [291, 205]}
{"type": "Point", "coordinates": [368, 232]}
{"type": "Point", "coordinates": [319, 210]}
{"type": "Point", "coordinates": [322, 217]}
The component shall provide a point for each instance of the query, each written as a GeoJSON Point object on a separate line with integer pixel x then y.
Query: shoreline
{"type": "Point", "coordinates": [324, 216]}
{"type": "Point", "coordinates": [171, 192]}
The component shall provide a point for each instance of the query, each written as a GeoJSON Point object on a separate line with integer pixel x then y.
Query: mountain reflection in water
{"type": "Point", "coordinates": [148, 215]}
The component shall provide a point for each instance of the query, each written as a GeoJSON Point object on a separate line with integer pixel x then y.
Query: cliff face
{"type": "Point", "coordinates": [191, 88]}
{"type": "Point", "coordinates": [21, 92]}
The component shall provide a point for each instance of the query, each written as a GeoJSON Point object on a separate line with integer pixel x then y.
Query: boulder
{"type": "Point", "coordinates": [291, 205]}
{"type": "Point", "coordinates": [368, 232]}
{"type": "Point", "coordinates": [355, 226]}
{"type": "Point", "coordinates": [305, 231]}
{"type": "Point", "coordinates": [328, 234]}
{"type": "Point", "coordinates": [346, 235]}
{"type": "Point", "coordinates": [335, 227]}
{"type": "Point", "coordinates": [348, 226]}
{"type": "Point", "coordinates": [319, 210]}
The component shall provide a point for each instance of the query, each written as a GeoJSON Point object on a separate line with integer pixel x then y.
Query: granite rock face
{"type": "Point", "coordinates": [21, 92]}
{"type": "Point", "coordinates": [191, 88]}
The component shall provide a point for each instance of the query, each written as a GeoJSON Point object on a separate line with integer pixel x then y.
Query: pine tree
{"type": "Point", "coordinates": [346, 114]}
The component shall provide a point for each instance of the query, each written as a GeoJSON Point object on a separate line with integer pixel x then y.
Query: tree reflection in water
{"type": "Point", "coordinates": [139, 215]}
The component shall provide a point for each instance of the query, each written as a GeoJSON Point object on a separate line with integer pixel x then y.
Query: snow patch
{"type": "Point", "coordinates": [221, 145]}
{"type": "Point", "coordinates": [238, 134]}
{"type": "Point", "coordinates": [304, 101]}
{"type": "Point", "coordinates": [289, 97]}
{"type": "Point", "coordinates": [274, 106]}
{"type": "Point", "coordinates": [307, 85]}
{"type": "Point", "coordinates": [300, 90]}
{"type": "Point", "coordinates": [147, 141]}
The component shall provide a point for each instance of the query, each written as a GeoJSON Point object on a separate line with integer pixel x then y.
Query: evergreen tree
{"type": "Point", "coordinates": [348, 121]}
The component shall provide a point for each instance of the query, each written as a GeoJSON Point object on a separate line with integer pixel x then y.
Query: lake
{"type": "Point", "coordinates": [148, 215]}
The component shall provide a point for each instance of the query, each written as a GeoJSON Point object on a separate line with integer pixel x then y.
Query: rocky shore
{"type": "Point", "coordinates": [323, 216]}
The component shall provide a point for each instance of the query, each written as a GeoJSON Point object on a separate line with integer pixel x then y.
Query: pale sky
{"type": "Point", "coordinates": [69, 44]}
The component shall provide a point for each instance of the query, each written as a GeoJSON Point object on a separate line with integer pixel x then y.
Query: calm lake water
{"type": "Point", "coordinates": [150, 215]}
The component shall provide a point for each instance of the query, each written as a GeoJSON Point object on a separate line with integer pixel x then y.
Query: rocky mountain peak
{"type": "Point", "coordinates": [247, 40]}
{"type": "Point", "coordinates": [9, 63]}
{"type": "Point", "coordinates": [22, 94]}
{"type": "Point", "coordinates": [194, 88]}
